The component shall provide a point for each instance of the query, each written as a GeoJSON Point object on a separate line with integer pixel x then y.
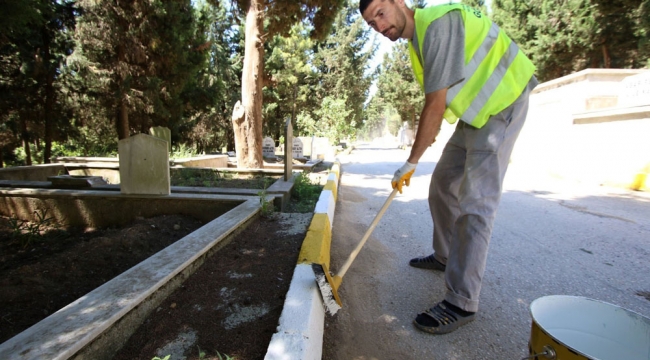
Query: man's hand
{"type": "Point", "coordinates": [403, 176]}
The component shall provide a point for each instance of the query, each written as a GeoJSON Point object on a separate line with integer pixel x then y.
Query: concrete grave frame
{"type": "Point", "coordinates": [299, 334]}
{"type": "Point", "coordinates": [97, 323]}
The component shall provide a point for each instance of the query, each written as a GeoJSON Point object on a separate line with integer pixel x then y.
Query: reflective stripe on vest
{"type": "Point", "coordinates": [496, 71]}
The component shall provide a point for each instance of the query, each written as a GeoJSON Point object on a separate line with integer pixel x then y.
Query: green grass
{"type": "Point", "coordinates": [28, 232]}
{"type": "Point", "coordinates": [216, 178]}
{"type": "Point", "coordinates": [304, 194]}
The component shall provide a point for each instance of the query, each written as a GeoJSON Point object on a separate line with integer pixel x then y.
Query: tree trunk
{"type": "Point", "coordinates": [247, 114]}
{"type": "Point", "coordinates": [607, 60]}
{"type": "Point", "coordinates": [122, 110]}
{"type": "Point", "coordinates": [49, 99]}
{"type": "Point", "coordinates": [25, 136]}
{"type": "Point", "coordinates": [122, 119]}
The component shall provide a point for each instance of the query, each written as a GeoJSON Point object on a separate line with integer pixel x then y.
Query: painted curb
{"type": "Point", "coordinates": [299, 334]}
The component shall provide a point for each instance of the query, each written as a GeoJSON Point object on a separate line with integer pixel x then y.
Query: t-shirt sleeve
{"type": "Point", "coordinates": [444, 52]}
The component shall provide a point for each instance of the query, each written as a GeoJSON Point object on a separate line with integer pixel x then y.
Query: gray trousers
{"type": "Point", "coordinates": [464, 194]}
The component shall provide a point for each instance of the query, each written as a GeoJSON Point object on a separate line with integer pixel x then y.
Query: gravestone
{"type": "Point", "coordinates": [144, 165]}
{"type": "Point", "coordinates": [635, 90]}
{"type": "Point", "coordinates": [162, 133]}
{"type": "Point", "coordinates": [296, 149]}
{"type": "Point", "coordinates": [268, 147]}
{"type": "Point", "coordinates": [320, 147]}
{"type": "Point", "coordinates": [75, 181]}
{"type": "Point", "coordinates": [288, 141]}
{"type": "Point", "coordinates": [306, 145]}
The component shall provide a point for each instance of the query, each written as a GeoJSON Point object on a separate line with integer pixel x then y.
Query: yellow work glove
{"type": "Point", "coordinates": [403, 176]}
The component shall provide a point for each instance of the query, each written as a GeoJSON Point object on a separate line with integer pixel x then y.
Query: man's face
{"type": "Point", "coordinates": [386, 17]}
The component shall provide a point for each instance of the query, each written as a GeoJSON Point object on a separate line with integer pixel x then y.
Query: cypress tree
{"type": "Point", "coordinates": [279, 17]}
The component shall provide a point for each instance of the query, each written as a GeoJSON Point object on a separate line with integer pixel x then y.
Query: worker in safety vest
{"type": "Point", "coordinates": [471, 71]}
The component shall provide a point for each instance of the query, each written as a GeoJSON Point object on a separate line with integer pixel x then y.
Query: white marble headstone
{"type": "Point", "coordinates": [268, 147]}
{"type": "Point", "coordinates": [296, 149]}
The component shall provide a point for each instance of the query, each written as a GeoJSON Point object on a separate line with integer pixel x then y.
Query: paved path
{"type": "Point", "coordinates": [550, 237]}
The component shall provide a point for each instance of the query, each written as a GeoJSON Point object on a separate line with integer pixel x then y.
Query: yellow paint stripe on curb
{"type": "Point", "coordinates": [336, 168]}
{"type": "Point", "coordinates": [316, 246]}
{"type": "Point", "coordinates": [331, 185]}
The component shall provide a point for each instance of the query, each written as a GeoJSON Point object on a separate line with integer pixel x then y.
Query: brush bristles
{"type": "Point", "coordinates": [326, 291]}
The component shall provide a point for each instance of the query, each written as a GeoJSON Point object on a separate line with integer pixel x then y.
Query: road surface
{"type": "Point", "coordinates": [551, 237]}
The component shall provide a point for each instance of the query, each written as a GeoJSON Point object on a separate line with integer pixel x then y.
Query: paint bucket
{"type": "Point", "coordinates": [578, 328]}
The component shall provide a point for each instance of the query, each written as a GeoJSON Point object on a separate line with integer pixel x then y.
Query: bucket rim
{"type": "Point", "coordinates": [575, 297]}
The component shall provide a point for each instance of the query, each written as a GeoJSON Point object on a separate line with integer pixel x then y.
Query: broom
{"type": "Point", "coordinates": [329, 285]}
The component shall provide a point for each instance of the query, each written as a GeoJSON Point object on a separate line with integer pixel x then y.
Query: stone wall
{"type": "Point", "coordinates": [603, 150]}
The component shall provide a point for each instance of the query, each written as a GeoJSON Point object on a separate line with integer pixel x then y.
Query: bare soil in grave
{"type": "Point", "coordinates": [230, 306]}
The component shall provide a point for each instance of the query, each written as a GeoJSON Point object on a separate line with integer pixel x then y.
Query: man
{"type": "Point", "coordinates": [469, 70]}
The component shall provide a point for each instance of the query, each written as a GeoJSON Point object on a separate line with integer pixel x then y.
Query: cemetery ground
{"type": "Point", "coordinates": [228, 307]}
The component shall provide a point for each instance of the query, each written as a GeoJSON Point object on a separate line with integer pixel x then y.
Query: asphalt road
{"type": "Point", "coordinates": [551, 237]}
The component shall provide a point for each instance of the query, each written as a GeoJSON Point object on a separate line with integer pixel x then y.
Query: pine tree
{"type": "Point", "coordinates": [397, 85]}
{"type": "Point", "coordinates": [144, 52]}
{"type": "Point", "coordinates": [513, 17]}
{"type": "Point", "coordinates": [209, 96]}
{"type": "Point", "coordinates": [564, 36]}
{"type": "Point", "coordinates": [343, 63]}
{"type": "Point", "coordinates": [643, 32]}
{"type": "Point", "coordinates": [33, 48]}
{"type": "Point", "coordinates": [292, 78]}
{"type": "Point", "coordinates": [617, 42]}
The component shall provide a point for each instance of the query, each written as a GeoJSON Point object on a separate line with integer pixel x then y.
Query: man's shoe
{"type": "Point", "coordinates": [427, 262]}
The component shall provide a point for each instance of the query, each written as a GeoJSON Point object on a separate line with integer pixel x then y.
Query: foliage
{"type": "Point", "coordinates": [291, 80]}
{"type": "Point", "coordinates": [143, 53]}
{"type": "Point", "coordinates": [332, 121]}
{"type": "Point", "coordinates": [643, 32]}
{"type": "Point", "coordinates": [382, 119]}
{"type": "Point", "coordinates": [33, 46]}
{"type": "Point", "coordinates": [562, 37]}
{"type": "Point", "coordinates": [342, 61]}
{"type": "Point", "coordinates": [181, 151]}
{"type": "Point", "coordinates": [476, 4]}
{"type": "Point", "coordinates": [75, 76]}
{"type": "Point", "coordinates": [399, 98]}
{"type": "Point", "coordinates": [305, 193]}
{"type": "Point", "coordinates": [211, 94]}
{"type": "Point", "coordinates": [322, 85]}
{"type": "Point", "coordinates": [267, 208]}
{"type": "Point", "coordinates": [29, 231]}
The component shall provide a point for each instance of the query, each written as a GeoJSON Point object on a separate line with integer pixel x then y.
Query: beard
{"type": "Point", "coordinates": [392, 33]}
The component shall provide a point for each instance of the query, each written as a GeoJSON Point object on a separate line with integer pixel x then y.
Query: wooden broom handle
{"type": "Point", "coordinates": [374, 223]}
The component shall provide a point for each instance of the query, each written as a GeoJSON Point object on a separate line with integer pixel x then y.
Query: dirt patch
{"type": "Point", "coordinates": [231, 305]}
{"type": "Point", "coordinates": [40, 274]}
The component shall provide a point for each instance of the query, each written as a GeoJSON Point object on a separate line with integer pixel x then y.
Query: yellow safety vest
{"type": "Point", "coordinates": [496, 70]}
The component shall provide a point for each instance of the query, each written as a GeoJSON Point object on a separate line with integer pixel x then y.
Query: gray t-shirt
{"type": "Point", "coordinates": [444, 52]}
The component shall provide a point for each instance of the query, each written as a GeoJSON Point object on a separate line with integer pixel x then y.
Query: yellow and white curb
{"type": "Point", "coordinates": [300, 332]}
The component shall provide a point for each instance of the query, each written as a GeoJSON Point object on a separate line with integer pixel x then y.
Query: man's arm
{"type": "Point", "coordinates": [430, 121]}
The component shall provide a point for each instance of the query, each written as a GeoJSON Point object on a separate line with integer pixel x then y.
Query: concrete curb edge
{"type": "Point", "coordinates": [300, 330]}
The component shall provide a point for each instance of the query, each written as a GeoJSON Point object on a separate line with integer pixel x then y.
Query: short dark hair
{"type": "Point", "coordinates": [363, 5]}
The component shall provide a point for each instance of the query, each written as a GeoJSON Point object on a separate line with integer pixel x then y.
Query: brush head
{"type": "Point", "coordinates": [328, 289]}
